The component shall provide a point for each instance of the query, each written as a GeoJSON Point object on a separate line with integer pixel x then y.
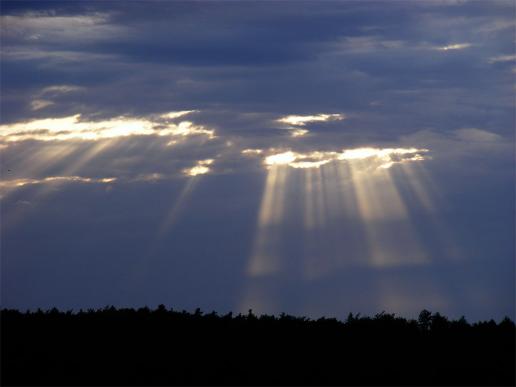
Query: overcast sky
{"type": "Point", "coordinates": [313, 158]}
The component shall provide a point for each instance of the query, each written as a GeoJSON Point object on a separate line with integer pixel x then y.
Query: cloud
{"type": "Point", "coordinates": [252, 152]}
{"type": "Point", "coordinates": [379, 158]}
{"type": "Point", "coordinates": [140, 93]}
{"type": "Point", "coordinates": [456, 46]}
{"type": "Point", "coordinates": [466, 150]}
{"type": "Point", "coordinates": [59, 89]}
{"type": "Point", "coordinates": [502, 58]}
{"type": "Point", "coordinates": [477, 135]}
{"type": "Point", "coordinates": [8, 185]}
{"type": "Point", "coordinates": [38, 104]}
{"type": "Point", "coordinates": [201, 168]}
{"type": "Point", "coordinates": [47, 28]}
{"type": "Point", "coordinates": [299, 132]}
{"type": "Point", "coordinates": [368, 44]}
{"type": "Point", "coordinates": [72, 127]}
{"type": "Point", "coordinates": [303, 120]}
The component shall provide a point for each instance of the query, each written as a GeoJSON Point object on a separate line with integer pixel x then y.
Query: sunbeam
{"type": "Point", "coordinates": [179, 205]}
{"type": "Point", "coordinates": [391, 237]}
{"type": "Point", "coordinates": [356, 184]}
{"type": "Point", "coordinates": [264, 257]}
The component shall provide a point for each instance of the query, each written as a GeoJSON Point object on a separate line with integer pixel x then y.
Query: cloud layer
{"type": "Point", "coordinates": [277, 156]}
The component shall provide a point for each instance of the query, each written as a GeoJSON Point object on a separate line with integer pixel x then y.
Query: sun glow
{"type": "Point", "coordinates": [281, 158]}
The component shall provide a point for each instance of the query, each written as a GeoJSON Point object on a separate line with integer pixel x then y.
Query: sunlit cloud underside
{"type": "Point", "coordinates": [72, 127]}
{"type": "Point", "coordinates": [81, 141]}
{"type": "Point", "coordinates": [457, 46]}
{"type": "Point", "coordinates": [303, 120]}
{"type": "Point", "coordinates": [384, 158]}
{"type": "Point", "coordinates": [352, 182]}
{"type": "Point", "coordinates": [201, 168]}
{"type": "Point", "coordinates": [14, 183]}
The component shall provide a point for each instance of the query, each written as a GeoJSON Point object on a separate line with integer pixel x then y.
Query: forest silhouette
{"type": "Point", "coordinates": [112, 346]}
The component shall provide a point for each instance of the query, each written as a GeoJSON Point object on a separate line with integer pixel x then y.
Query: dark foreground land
{"type": "Point", "coordinates": [162, 347]}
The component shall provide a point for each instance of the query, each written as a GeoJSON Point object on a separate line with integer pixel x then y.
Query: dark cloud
{"type": "Point", "coordinates": [436, 75]}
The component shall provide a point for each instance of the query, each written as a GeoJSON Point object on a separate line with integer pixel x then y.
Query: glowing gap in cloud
{"type": "Point", "coordinates": [68, 128]}
{"type": "Point", "coordinates": [381, 158]}
{"type": "Point", "coordinates": [361, 186]}
{"type": "Point", "coordinates": [303, 120]}
{"type": "Point", "coordinates": [299, 132]}
{"type": "Point", "coordinates": [201, 168]}
{"type": "Point", "coordinates": [252, 152]}
{"type": "Point", "coordinates": [458, 46]}
{"type": "Point", "coordinates": [8, 185]}
{"type": "Point", "coordinates": [173, 115]}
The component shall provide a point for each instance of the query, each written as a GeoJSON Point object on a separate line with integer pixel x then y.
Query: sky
{"type": "Point", "coordinates": [312, 158]}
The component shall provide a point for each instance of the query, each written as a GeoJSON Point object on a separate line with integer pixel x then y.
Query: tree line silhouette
{"type": "Point", "coordinates": [112, 346]}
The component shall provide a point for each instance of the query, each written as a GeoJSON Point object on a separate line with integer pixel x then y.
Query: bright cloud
{"type": "Point", "coordinates": [384, 158]}
{"type": "Point", "coordinates": [502, 58]}
{"type": "Point", "coordinates": [72, 127]}
{"type": "Point", "coordinates": [303, 120]}
{"type": "Point", "coordinates": [458, 46]}
{"type": "Point", "coordinates": [7, 185]}
{"type": "Point", "coordinates": [252, 152]}
{"type": "Point", "coordinates": [201, 168]}
{"type": "Point", "coordinates": [299, 132]}
{"type": "Point", "coordinates": [173, 115]}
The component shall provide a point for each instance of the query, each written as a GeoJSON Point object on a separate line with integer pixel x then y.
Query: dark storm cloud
{"type": "Point", "coordinates": [245, 57]}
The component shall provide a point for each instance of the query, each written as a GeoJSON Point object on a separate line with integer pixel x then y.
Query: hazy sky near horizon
{"type": "Point", "coordinates": [313, 158]}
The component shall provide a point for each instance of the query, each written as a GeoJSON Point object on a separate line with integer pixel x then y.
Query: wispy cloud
{"type": "Point", "coordinates": [10, 184]}
{"type": "Point", "coordinates": [502, 58]}
{"type": "Point", "coordinates": [455, 46]}
{"type": "Point", "coordinates": [39, 104]}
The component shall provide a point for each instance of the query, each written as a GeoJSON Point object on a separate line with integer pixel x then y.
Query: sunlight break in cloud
{"type": "Point", "coordinates": [173, 115]}
{"type": "Point", "coordinates": [299, 132]}
{"type": "Point", "coordinates": [385, 157]}
{"type": "Point", "coordinates": [458, 46]}
{"type": "Point", "coordinates": [361, 186]}
{"type": "Point", "coordinates": [252, 152]}
{"type": "Point", "coordinates": [8, 185]}
{"type": "Point", "coordinates": [71, 127]}
{"type": "Point", "coordinates": [201, 168]}
{"type": "Point", "coordinates": [303, 120]}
